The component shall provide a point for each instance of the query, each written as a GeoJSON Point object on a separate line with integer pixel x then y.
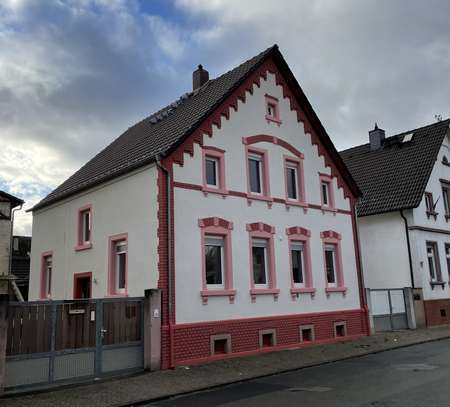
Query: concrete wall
{"type": "Point", "coordinates": [384, 251]}
{"type": "Point", "coordinates": [191, 205]}
{"type": "Point", "coordinates": [125, 205]}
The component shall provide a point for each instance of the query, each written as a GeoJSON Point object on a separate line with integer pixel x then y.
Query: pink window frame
{"type": "Point", "coordinates": [81, 245]}
{"type": "Point", "coordinates": [217, 227]}
{"type": "Point", "coordinates": [299, 234]}
{"type": "Point", "coordinates": [43, 280]}
{"type": "Point", "coordinates": [334, 238]}
{"type": "Point", "coordinates": [219, 155]}
{"type": "Point", "coordinates": [112, 266]}
{"type": "Point", "coordinates": [275, 103]}
{"type": "Point", "coordinates": [301, 199]}
{"type": "Point", "coordinates": [327, 179]}
{"type": "Point", "coordinates": [265, 195]}
{"type": "Point", "coordinates": [78, 276]}
{"type": "Point", "coordinates": [259, 230]}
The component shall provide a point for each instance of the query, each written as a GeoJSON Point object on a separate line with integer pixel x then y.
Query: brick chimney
{"type": "Point", "coordinates": [376, 138]}
{"type": "Point", "coordinates": [199, 77]}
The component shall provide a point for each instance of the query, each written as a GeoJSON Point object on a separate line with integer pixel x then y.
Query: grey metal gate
{"type": "Point", "coordinates": [388, 309]}
{"type": "Point", "coordinates": [63, 341]}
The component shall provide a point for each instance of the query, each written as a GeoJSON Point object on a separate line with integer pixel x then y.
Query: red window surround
{"type": "Point", "coordinates": [330, 237]}
{"type": "Point", "coordinates": [46, 279]}
{"type": "Point", "coordinates": [327, 182]}
{"type": "Point", "coordinates": [272, 109]}
{"type": "Point", "coordinates": [219, 156]}
{"type": "Point", "coordinates": [259, 230]}
{"type": "Point", "coordinates": [298, 163]}
{"type": "Point", "coordinates": [265, 195]}
{"type": "Point", "coordinates": [76, 284]}
{"type": "Point", "coordinates": [217, 227]}
{"type": "Point", "coordinates": [299, 234]}
{"type": "Point", "coordinates": [113, 240]}
{"type": "Point", "coordinates": [83, 242]}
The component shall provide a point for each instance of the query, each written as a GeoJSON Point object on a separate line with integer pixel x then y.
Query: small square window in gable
{"type": "Point", "coordinates": [272, 110]}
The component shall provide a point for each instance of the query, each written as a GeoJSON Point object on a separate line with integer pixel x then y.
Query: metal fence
{"type": "Point", "coordinates": [55, 341]}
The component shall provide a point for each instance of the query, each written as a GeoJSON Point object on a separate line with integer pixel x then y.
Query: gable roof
{"type": "Point", "coordinates": [4, 196]}
{"type": "Point", "coordinates": [395, 176]}
{"type": "Point", "coordinates": [160, 133]}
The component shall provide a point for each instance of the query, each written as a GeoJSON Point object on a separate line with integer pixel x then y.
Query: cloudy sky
{"type": "Point", "coordinates": [74, 74]}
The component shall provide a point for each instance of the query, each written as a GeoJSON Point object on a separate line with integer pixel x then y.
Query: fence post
{"type": "Point", "coordinates": [409, 305]}
{"type": "Point", "coordinates": [152, 329]}
{"type": "Point", "coordinates": [370, 311]}
{"type": "Point", "coordinates": [3, 338]}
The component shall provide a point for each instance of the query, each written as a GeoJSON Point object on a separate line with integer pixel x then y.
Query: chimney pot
{"type": "Point", "coordinates": [199, 77]}
{"type": "Point", "coordinates": [376, 138]}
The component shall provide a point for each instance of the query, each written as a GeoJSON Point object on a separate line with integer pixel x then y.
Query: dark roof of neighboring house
{"type": "Point", "coordinates": [160, 133]}
{"type": "Point", "coordinates": [395, 176]}
{"type": "Point", "coordinates": [4, 196]}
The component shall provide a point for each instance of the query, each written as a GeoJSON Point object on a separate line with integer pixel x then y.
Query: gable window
{"type": "Point", "coordinates": [429, 204]}
{"type": "Point", "coordinates": [272, 109]}
{"type": "Point", "coordinates": [446, 197]}
{"type": "Point", "coordinates": [213, 170]}
{"type": "Point", "coordinates": [217, 274]}
{"type": "Point", "coordinates": [294, 179]}
{"type": "Point", "coordinates": [262, 261]}
{"type": "Point", "coordinates": [257, 173]}
{"type": "Point", "coordinates": [118, 264]}
{"type": "Point", "coordinates": [84, 228]}
{"type": "Point", "coordinates": [46, 275]}
{"type": "Point", "coordinates": [332, 256]}
{"type": "Point", "coordinates": [326, 192]}
{"type": "Point", "coordinates": [433, 262]}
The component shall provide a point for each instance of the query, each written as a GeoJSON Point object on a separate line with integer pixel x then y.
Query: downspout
{"type": "Point", "coordinates": [11, 241]}
{"type": "Point", "coordinates": [169, 259]}
{"type": "Point", "coordinates": [408, 243]}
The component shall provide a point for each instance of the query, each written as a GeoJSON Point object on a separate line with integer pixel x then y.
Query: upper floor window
{"type": "Point", "coordinates": [429, 204]}
{"type": "Point", "coordinates": [447, 257]}
{"type": "Point", "coordinates": [84, 228]}
{"type": "Point", "coordinates": [214, 261]}
{"type": "Point", "coordinates": [257, 170]}
{"type": "Point", "coordinates": [213, 170]}
{"type": "Point", "coordinates": [46, 275]}
{"type": "Point", "coordinates": [446, 197]}
{"type": "Point", "coordinates": [259, 261]}
{"type": "Point", "coordinates": [294, 179]}
{"type": "Point", "coordinates": [333, 261]}
{"type": "Point", "coordinates": [118, 264]}
{"type": "Point", "coordinates": [330, 263]}
{"type": "Point", "coordinates": [326, 191]}
{"type": "Point", "coordinates": [434, 267]}
{"type": "Point", "coordinates": [272, 109]}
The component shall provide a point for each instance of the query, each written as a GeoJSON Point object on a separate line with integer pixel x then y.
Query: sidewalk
{"type": "Point", "coordinates": [125, 391]}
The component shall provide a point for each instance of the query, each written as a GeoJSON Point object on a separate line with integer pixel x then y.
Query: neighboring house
{"type": "Point", "coordinates": [8, 205]}
{"type": "Point", "coordinates": [20, 263]}
{"type": "Point", "coordinates": [403, 220]}
{"type": "Point", "coordinates": [234, 202]}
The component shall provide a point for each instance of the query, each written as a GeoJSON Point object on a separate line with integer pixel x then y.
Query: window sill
{"type": "Point", "coordinates": [84, 246]}
{"type": "Point", "coordinates": [205, 294]}
{"type": "Point", "coordinates": [291, 202]}
{"type": "Point", "coordinates": [436, 283]}
{"type": "Point", "coordinates": [264, 291]}
{"type": "Point", "coordinates": [211, 190]}
{"type": "Point", "coordinates": [330, 290]}
{"type": "Point", "coordinates": [118, 295]}
{"type": "Point", "coordinates": [296, 291]}
{"type": "Point", "coordinates": [252, 197]}
{"type": "Point", "coordinates": [433, 214]}
{"type": "Point", "coordinates": [328, 209]}
{"type": "Point", "coordinates": [273, 119]}
{"type": "Point", "coordinates": [447, 217]}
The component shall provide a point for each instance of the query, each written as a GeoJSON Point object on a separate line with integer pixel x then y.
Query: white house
{"type": "Point", "coordinates": [234, 202]}
{"type": "Point", "coordinates": [403, 223]}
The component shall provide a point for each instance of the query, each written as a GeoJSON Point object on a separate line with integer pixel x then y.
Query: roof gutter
{"type": "Point", "coordinates": [408, 243]}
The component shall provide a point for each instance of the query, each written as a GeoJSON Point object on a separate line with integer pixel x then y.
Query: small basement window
{"type": "Point", "coordinates": [340, 329]}
{"type": "Point", "coordinates": [306, 333]}
{"type": "Point", "coordinates": [443, 313]}
{"type": "Point", "coordinates": [267, 338]}
{"type": "Point", "coordinates": [220, 344]}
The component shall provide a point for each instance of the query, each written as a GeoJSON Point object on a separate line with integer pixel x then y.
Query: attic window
{"type": "Point", "coordinates": [407, 138]}
{"type": "Point", "coordinates": [445, 160]}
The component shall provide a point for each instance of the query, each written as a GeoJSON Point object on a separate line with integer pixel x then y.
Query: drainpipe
{"type": "Point", "coordinates": [169, 259]}
{"type": "Point", "coordinates": [409, 248]}
{"type": "Point", "coordinates": [11, 240]}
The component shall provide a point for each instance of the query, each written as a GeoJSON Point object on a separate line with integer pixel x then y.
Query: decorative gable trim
{"type": "Point", "coordinates": [263, 138]}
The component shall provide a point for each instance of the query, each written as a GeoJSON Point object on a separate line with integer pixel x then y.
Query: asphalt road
{"type": "Point", "coordinates": [415, 376]}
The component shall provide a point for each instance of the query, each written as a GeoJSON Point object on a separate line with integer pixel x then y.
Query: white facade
{"type": "Point", "coordinates": [192, 205]}
{"type": "Point", "coordinates": [124, 205]}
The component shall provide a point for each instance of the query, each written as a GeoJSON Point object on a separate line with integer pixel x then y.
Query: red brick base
{"type": "Point", "coordinates": [192, 342]}
{"type": "Point", "coordinates": [437, 312]}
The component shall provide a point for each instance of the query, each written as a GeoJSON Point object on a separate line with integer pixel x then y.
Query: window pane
{"type": "Point", "coordinates": [213, 263]}
{"type": "Point", "coordinates": [259, 265]}
{"type": "Point", "coordinates": [445, 197]}
{"type": "Point", "coordinates": [211, 171]}
{"type": "Point", "coordinates": [329, 262]}
{"type": "Point", "coordinates": [325, 193]}
{"type": "Point", "coordinates": [297, 265]}
{"type": "Point", "coordinates": [254, 168]}
{"type": "Point", "coordinates": [87, 226]}
{"type": "Point", "coordinates": [121, 266]}
{"type": "Point", "coordinates": [292, 182]}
